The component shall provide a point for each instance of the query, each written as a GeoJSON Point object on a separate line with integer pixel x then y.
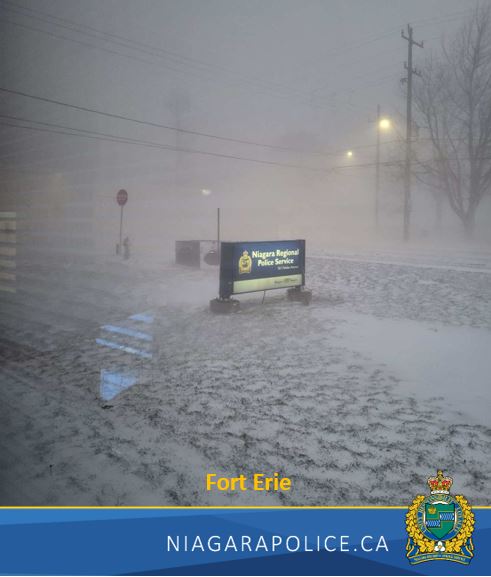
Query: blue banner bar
{"type": "Point", "coordinates": [221, 541]}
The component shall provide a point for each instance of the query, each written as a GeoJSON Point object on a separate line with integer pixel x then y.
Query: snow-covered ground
{"type": "Point", "coordinates": [357, 398]}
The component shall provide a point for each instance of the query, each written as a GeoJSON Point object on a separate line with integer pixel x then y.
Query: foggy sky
{"type": "Point", "coordinates": [301, 74]}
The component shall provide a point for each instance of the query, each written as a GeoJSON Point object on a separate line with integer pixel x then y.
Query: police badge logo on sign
{"type": "Point", "coordinates": [440, 525]}
{"type": "Point", "coordinates": [245, 263]}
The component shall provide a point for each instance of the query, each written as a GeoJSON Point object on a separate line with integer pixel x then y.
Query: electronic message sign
{"type": "Point", "coordinates": [258, 266]}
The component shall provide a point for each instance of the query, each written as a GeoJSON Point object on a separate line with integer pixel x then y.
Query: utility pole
{"type": "Point", "coordinates": [218, 234]}
{"type": "Point", "coordinates": [409, 124]}
{"type": "Point", "coordinates": [377, 169]}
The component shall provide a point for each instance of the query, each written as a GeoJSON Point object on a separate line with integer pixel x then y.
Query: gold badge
{"type": "Point", "coordinates": [245, 263]}
{"type": "Point", "coordinates": [440, 525]}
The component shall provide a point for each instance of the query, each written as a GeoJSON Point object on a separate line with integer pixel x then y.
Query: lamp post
{"type": "Point", "coordinates": [207, 192]}
{"type": "Point", "coordinates": [218, 234]}
{"type": "Point", "coordinates": [382, 124]}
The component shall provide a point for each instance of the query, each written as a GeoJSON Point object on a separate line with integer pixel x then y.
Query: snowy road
{"type": "Point", "coordinates": [357, 398]}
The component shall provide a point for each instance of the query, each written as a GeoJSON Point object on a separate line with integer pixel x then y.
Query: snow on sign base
{"type": "Point", "coordinates": [262, 265]}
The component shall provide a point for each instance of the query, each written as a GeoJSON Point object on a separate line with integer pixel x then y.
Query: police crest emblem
{"type": "Point", "coordinates": [245, 263]}
{"type": "Point", "coordinates": [440, 525]}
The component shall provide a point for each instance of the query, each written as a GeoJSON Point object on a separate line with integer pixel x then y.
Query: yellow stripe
{"type": "Point", "coordinates": [204, 507]}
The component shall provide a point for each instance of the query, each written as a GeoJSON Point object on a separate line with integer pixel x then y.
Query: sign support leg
{"type": "Point", "coordinates": [218, 234]}
{"type": "Point", "coordinates": [121, 231]}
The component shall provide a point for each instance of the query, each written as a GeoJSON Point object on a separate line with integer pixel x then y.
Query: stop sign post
{"type": "Point", "coordinates": [121, 199]}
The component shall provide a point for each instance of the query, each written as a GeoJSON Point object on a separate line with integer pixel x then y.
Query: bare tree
{"type": "Point", "coordinates": [453, 107]}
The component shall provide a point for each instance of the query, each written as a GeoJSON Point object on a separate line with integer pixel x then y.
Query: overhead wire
{"type": "Point", "coordinates": [157, 124]}
{"type": "Point", "coordinates": [123, 41]}
{"type": "Point", "coordinates": [156, 51]}
{"type": "Point", "coordinates": [71, 131]}
{"type": "Point", "coordinates": [132, 43]}
{"type": "Point", "coordinates": [172, 128]}
{"type": "Point", "coordinates": [393, 31]}
{"type": "Point", "coordinates": [153, 124]}
{"type": "Point", "coordinates": [298, 97]}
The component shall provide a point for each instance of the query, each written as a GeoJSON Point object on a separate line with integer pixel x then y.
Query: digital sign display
{"type": "Point", "coordinates": [264, 265]}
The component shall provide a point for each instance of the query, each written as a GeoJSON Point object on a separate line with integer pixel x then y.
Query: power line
{"type": "Point", "coordinates": [153, 50]}
{"type": "Point", "coordinates": [130, 43]}
{"type": "Point", "coordinates": [36, 149]}
{"type": "Point", "coordinates": [132, 140]}
{"type": "Point", "coordinates": [337, 153]}
{"type": "Point", "coordinates": [299, 96]}
{"type": "Point", "coordinates": [175, 129]}
{"type": "Point", "coordinates": [451, 17]}
{"type": "Point", "coordinates": [158, 125]}
{"type": "Point", "coordinates": [109, 50]}
{"type": "Point", "coordinates": [156, 51]}
{"type": "Point", "coordinates": [70, 131]}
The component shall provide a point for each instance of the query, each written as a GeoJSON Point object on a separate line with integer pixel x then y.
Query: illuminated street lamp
{"type": "Point", "coordinates": [384, 124]}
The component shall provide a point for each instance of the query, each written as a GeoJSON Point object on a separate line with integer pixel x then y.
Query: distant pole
{"type": "Point", "coordinates": [409, 123]}
{"type": "Point", "coordinates": [377, 169]}
{"type": "Point", "coordinates": [121, 229]}
{"type": "Point", "coordinates": [121, 199]}
{"type": "Point", "coordinates": [218, 232]}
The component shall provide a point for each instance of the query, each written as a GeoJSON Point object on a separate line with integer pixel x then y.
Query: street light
{"type": "Point", "coordinates": [383, 124]}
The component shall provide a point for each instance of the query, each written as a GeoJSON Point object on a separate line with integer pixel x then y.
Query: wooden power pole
{"type": "Point", "coordinates": [409, 126]}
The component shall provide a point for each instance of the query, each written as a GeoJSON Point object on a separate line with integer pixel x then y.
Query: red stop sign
{"type": "Point", "coordinates": [122, 197]}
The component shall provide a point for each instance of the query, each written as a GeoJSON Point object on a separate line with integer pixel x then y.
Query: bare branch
{"type": "Point", "coordinates": [453, 105]}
